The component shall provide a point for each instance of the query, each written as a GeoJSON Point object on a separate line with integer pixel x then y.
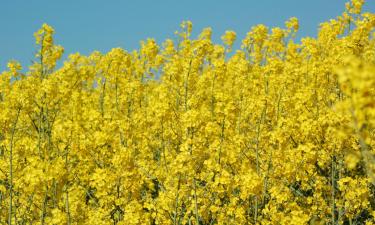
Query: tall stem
{"type": "Point", "coordinates": [11, 167]}
{"type": "Point", "coordinates": [196, 202]}
{"type": "Point", "coordinates": [333, 190]}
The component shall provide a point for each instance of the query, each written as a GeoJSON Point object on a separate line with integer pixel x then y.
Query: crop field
{"type": "Point", "coordinates": [188, 132]}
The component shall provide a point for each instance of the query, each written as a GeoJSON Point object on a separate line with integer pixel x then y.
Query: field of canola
{"type": "Point", "coordinates": [279, 131]}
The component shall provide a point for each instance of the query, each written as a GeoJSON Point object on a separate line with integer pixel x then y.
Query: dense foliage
{"type": "Point", "coordinates": [192, 132]}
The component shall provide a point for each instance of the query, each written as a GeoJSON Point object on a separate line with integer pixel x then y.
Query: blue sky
{"type": "Point", "coordinates": [85, 26]}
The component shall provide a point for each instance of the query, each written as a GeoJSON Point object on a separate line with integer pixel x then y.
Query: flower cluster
{"type": "Point", "coordinates": [189, 132]}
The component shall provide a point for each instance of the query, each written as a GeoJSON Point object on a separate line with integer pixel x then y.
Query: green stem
{"type": "Point", "coordinates": [11, 167]}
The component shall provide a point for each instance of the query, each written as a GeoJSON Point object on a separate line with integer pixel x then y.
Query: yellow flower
{"type": "Point", "coordinates": [228, 38]}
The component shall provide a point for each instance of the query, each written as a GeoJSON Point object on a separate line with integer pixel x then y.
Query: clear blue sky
{"type": "Point", "coordinates": [84, 26]}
